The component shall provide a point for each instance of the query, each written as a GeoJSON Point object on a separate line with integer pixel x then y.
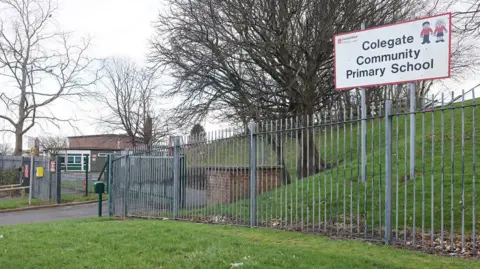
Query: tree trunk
{"type": "Point", "coordinates": [133, 141]}
{"type": "Point", "coordinates": [309, 161]}
{"type": "Point", "coordinates": [276, 146]}
{"type": "Point", "coordinates": [18, 141]}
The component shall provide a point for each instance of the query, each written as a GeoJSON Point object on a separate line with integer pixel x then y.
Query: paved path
{"type": "Point", "coordinates": [51, 214]}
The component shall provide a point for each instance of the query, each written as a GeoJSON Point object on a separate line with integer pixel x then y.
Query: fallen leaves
{"type": "Point", "coordinates": [347, 230]}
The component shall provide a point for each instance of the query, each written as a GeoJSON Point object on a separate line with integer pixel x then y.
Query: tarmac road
{"type": "Point", "coordinates": [51, 214]}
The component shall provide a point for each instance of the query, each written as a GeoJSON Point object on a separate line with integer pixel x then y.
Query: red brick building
{"type": "Point", "coordinates": [95, 148]}
{"type": "Point", "coordinates": [106, 141]}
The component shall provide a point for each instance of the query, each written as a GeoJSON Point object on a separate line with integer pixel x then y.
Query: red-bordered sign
{"type": "Point", "coordinates": [53, 166]}
{"type": "Point", "coordinates": [425, 43]}
{"type": "Point", "coordinates": [26, 171]}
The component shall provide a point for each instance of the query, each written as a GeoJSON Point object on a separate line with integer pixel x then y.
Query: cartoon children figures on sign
{"type": "Point", "coordinates": [426, 32]}
{"type": "Point", "coordinates": [439, 30]}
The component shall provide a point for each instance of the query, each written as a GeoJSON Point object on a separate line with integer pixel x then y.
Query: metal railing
{"type": "Point", "coordinates": [305, 174]}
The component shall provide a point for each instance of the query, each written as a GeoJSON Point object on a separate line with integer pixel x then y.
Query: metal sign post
{"type": "Point", "coordinates": [388, 172]}
{"type": "Point", "coordinates": [363, 99]}
{"type": "Point", "coordinates": [413, 129]}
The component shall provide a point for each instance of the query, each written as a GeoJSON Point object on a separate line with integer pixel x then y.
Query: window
{"type": "Point", "coordinates": [74, 159]}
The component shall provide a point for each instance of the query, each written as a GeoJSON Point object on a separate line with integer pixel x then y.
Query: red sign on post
{"type": "Point", "coordinates": [25, 171]}
{"type": "Point", "coordinates": [53, 166]}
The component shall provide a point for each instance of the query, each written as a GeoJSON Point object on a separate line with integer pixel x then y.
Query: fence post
{"type": "Point", "coordinates": [413, 131]}
{"type": "Point", "coordinates": [126, 184]}
{"type": "Point", "coordinates": [86, 165]}
{"type": "Point", "coordinates": [109, 185]}
{"type": "Point", "coordinates": [388, 172]}
{"type": "Point", "coordinates": [58, 177]}
{"type": "Point", "coordinates": [253, 174]}
{"type": "Point", "coordinates": [176, 175]}
{"type": "Point", "coordinates": [32, 175]}
{"type": "Point", "coordinates": [50, 177]}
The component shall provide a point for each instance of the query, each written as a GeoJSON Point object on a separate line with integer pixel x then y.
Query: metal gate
{"type": "Point", "coordinates": [44, 185]}
{"type": "Point", "coordinates": [142, 184]}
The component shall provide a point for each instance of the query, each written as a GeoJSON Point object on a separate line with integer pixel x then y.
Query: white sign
{"type": "Point", "coordinates": [30, 142]}
{"type": "Point", "coordinates": [404, 52]}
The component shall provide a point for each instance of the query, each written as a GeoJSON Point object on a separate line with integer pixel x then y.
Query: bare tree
{"type": "Point", "coordinates": [262, 59]}
{"type": "Point", "coordinates": [266, 59]}
{"type": "Point", "coordinates": [5, 149]}
{"type": "Point", "coordinates": [52, 145]}
{"type": "Point", "coordinates": [41, 63]}
{"type": "Point", "coordinates": [468, 17]}
{"type": "Point", "coordinates": [130, 100]}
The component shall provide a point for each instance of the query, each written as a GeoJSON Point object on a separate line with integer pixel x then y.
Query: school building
{"type": "Point", "coordinates": [95, 148]}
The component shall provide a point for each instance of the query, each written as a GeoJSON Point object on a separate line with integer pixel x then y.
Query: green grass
{"type": "Point", "coordinates": [104, 243]}
{"type": "Point", "coordinates": [331, 192]}
{"type": "Point", "coordinates": [67, 198]}
{"type": "Point", "coordinates": [77, 185]}
{"type": "Point", "coordinates": [17, 203]}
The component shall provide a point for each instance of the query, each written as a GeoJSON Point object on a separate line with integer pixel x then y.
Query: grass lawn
{"type": "Point", "coordinates": [104, 243]}
{"type": "Point", "coordinates": [68, 198]}
{"type": "Point", "coordinates": [78, 185]}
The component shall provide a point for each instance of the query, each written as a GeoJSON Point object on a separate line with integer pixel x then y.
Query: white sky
{"type": "Point", "coordinates": [118, 28]}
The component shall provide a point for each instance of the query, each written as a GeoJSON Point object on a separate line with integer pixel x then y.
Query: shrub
{"type": "Point", "coordinates": [8, 176]}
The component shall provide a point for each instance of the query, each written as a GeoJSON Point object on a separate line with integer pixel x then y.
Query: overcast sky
{"type": "Point", "coordinates": [118, 28]}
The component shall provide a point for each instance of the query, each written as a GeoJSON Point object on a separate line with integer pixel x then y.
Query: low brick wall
{"type": "Point", "coordinates": [226, 185]}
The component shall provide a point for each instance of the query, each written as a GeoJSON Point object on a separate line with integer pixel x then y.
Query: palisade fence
{"type": "Point", "coordinates": [304, 174]}
{"type": "Point", "coordinates": [14, 180]}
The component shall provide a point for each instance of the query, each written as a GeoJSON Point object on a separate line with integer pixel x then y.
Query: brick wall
{"type": "Point", "coordinates": [227, 185]}
{"type": "Point", "coordinates": [100, 142]}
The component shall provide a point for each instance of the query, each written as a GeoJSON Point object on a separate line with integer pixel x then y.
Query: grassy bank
{"type": "Point", "coordinates": [445, 183]}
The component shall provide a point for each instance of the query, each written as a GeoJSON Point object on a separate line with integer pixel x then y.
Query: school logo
{"type": "Point", "coordinates": [347, 39]}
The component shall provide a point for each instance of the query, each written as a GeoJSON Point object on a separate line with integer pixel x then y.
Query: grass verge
{"type": "Point", "coordinates": [69, 198]}
{"type": "Point", "coordinates": [101, 243]}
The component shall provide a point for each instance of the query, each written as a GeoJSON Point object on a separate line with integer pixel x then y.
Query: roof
{"type": "Point", "coordinates": [90, 148]}
{"type": "Point", "coordinates": [99, 135]}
